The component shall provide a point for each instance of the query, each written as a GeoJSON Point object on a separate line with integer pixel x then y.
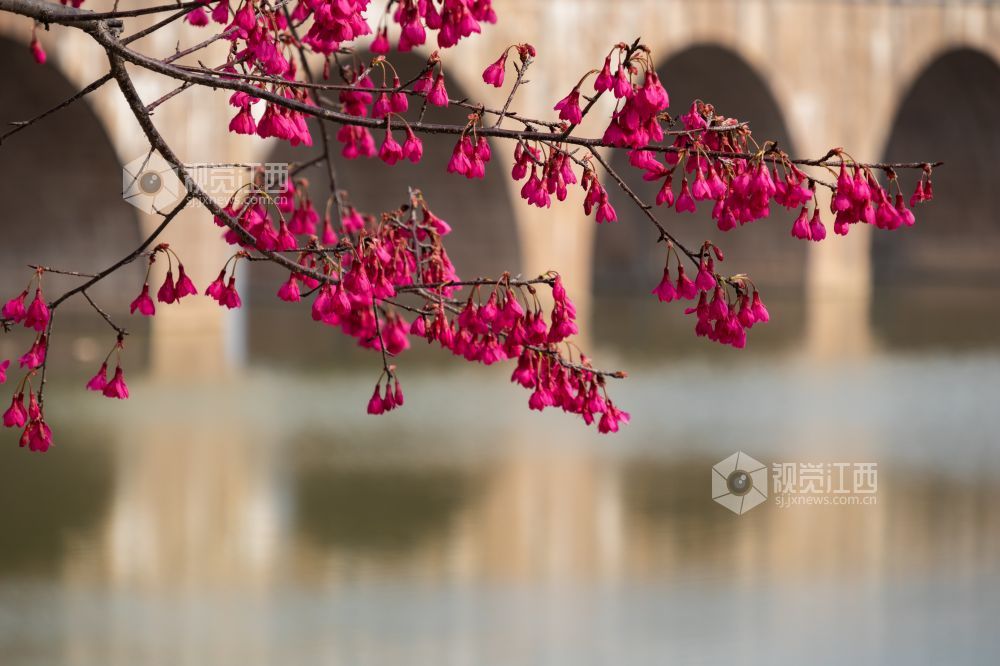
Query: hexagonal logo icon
{"type": "Point", "coordinates": [150, 184]}
{"type": "Point", "coordinates": [739, 482]}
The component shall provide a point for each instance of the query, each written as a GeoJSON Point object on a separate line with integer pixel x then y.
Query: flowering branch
{"type": "Point", "coordinates": [363, 272]}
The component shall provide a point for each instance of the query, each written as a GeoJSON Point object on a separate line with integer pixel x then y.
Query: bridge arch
{"type": "Point", "coordinates": [627, 261]}
{"type": "Point", "coordinates": [948, 261]}
{"type": "Point", "coordinates": [63, 208]}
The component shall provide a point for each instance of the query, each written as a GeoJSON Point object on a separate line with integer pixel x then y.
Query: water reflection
{"type": "Point", "coordinates": [265, 519]}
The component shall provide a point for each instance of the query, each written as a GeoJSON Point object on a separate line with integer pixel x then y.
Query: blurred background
{"type": "Point", "coordinates": [242, 508]}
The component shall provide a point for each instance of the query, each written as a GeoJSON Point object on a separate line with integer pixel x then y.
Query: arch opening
{"type": "Point", "coordinates": [62, 195]}
{"type": "Point", "coordinates": [627, 261]}
{"type": "Point", "coordinates": [947, 263]}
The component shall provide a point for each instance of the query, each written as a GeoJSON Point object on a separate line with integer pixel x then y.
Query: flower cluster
{"type": "Point", "coordinates": [116, 386]}
{"type": "Point", "coordinates": [720, 164]}
{"type": "Point", "coordinates": [361, 285]}
{"type": "Point", "coordinates": [37, 435]}
{"type": "Point", "coordinates": [722, 319]}
{"type": "Point", "coordinates": [35, 316]}
{"type": "Point", "coordinates": [470, 156]}
{"type": "Point", "coordinates": [262, 41]}
{"type": "Point", "coordinates": [547, 177]}
{"type": "Point", "coordinates": [170, 291]}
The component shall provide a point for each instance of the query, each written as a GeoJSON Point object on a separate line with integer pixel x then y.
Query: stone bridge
{"type": "Point", "coordinates": [885, 79]}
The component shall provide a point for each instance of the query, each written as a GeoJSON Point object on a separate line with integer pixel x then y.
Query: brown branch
{"type": "Point", "coordinates": [23, 124]}
{"type": "Point", "coordinates": [127, 259]}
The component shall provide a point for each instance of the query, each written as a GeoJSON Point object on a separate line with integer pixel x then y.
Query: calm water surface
{"type": "Point", "coordinates": [264, 519]}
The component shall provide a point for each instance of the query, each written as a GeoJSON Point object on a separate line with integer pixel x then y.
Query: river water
{"type": "Point", "coordinates": [264, 519]}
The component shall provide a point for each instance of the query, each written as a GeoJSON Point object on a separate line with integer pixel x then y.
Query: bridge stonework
{"type": "Point", "coordinates": [838, 71]}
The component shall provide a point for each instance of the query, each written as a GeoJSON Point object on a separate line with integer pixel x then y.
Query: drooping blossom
{"type": "Point", "coordinates": [99, 380]}
{"type": "Point", "coordinates": [143, 303]}
{"type": "Point", "coordinates": [569, 107]}
{"type": "Point", "coordinates": [116, 388]}
{"type": "Point", "coordinates": [494, 74]}
{"type": "Point", "coordinates": [438, 95]}
{"type": "Point", "coordinates": [37, 316]}
{"type": "Point", "coordinates": [35, 356]}
{"type": "Point", "coordinates": [184, 286]}
{"type": "Point", "coordinates": [167, 293]}
{"type": "Point", "coordinates": [16, 415]}
{"type": "Point", "coordinates": [37, 52]}
{"type": "Point", "coordinates": [14, 309]}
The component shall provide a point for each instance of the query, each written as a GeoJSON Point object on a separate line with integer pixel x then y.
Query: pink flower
{"type": "Point", "coordinates": [14, 308]}
{"type": "Point", "coordinates": [230, 297]}
{"type": "Point", "coordinates": [380, 45]}
{"type": "Point", "coordinates": [243, 122]}
{"type": "Point", "coordinates": [438, 96]}
{"type": "Point", "coordinates": [3, 371]}
{"type": "Point", "coordinates": [221, 12]}
{"type": "Point", "coordinates": [37, 436]}
{"type": "Point", "coordinates": [604, 80]}
{"type": "Point", "coordinates": [845, 187]}
{"type": "Point", "coordinates": [381, 107]}
{"type": "Point", "coordinates": [686, 289]}
{"type": "Point", "coordinates": [37, 316]}
{"type": "Point", "coordinates": [389, 400]}
{"type": "Point", "coordinates": [817, 230]}
{"type": "Point", "coordinates": [167, 293]}
{"type": "Point", "coordinates": [666, 194]}
{"type": "Point", "coordinates": [289, 291]}
{"type": "Point", "coordinates": [459, 162]}
{"type": "Point", "coordinates": [494, 73]}
{"type": "Point", "coordinates": [398, 101]}
{"type": "Point", "coordinates": [391, 152]}
{"type": "Point", "coordinates": [15, 416]}
{"type": "Point", "coordinates": [197, 17]}
{"type": "Point", "coordinates": [685, 203]}
{"type": "Point", "coordinates": [665, 291]}
{"type": "Point", "coordinates": [100, 380]}
{"type": "Point", "coordinates": [37, 52]}
{"type": "Point", "coordinates": [800, 229]}
{"type": "Point", "coordinates": [375, 404]}
{"type": "Point", "coordinates": [700, 190]}
{"type": "Point", "coordinates": [705, 281]}
{"type": "Point", "coordinates": [329, 235]}
{"type": "Point", "coordinates": [605, 212]}
{"type": "Point", "coordinates": [184, 286]}
{"type": "Point", "coordinates": [413, 147]}
{"type": "Point", "coordinates": [623, 86]}
{"type": "Point", "coordinates": [217, 286]}
{"type": "Point", "coordinates": [905, 214]}
{"type": "Point", "coordinates": [760, 312]}
{"type": "Point", "coordinates": [612, 418]}
{"type": "Point", "coordinates": [245, 20]}
{"type": "Point", "coordinates": [394, 336]}
{"type": "Point", "coordinates": [425, 82]}
{"type": "Point", "coordinates": [285, 240]}
{"type": "Point", "coordinates": [35, 356]}
{"type": "Point", "coordinates": [569, 108]}
{"type": "Point", "coordinates": [116, 388]}
{"type": "Point", "coordinates": [143, 303]}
